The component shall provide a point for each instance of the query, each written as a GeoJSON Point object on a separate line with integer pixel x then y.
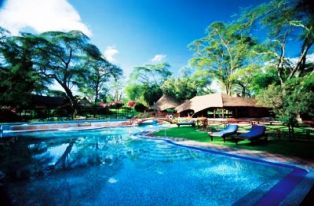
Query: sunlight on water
{"type": "Point", "coordinates": [117, 166]}
{"type": "Point", "coordinates": [112, 180]}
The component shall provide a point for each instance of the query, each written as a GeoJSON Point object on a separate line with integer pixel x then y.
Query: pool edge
{"type": "Point", "coordinates": [287, 184]}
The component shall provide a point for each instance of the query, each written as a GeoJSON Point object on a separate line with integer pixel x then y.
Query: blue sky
{"type": "Point", "coordinates": [141, 29]}
{"type": "Point", "coordinates": [129, 32]}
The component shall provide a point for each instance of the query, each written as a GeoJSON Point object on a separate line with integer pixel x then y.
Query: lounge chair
{"type": "Point", "coordinates": [229, 130]}
{"type": "Point", "coordinates": [189, 123]}
{"type": "Point", "coordinates": [256, 132]}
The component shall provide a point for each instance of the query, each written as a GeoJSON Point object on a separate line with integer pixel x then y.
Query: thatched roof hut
{"type": "Point", "coordinates": [199, 104]}
{"type": "Point", "coordinates": [166, 102]}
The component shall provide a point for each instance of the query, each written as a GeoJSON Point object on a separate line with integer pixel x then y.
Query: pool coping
{"type": "Point", "coordinates": [280, 192]}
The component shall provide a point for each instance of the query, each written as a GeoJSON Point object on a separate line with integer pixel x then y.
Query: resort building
{"type": "Point", "coordinates": [222, 105]}
{"type": "Point", "coordinates": [166, 102]}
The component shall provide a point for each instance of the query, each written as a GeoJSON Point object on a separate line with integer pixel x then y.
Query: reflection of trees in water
{"type": "Point", "coordinates": [69, 187]}
{"type": "Point", "coordinates": [62, 160]}
{"type": "Point", "coordinates": [21, 158]}
{"type": "Point", "coordinates": [73, 174]}
{"type": "Point", "coordinates": [91, 150]}
{"type": "Point", "coordinates": [16, 157]}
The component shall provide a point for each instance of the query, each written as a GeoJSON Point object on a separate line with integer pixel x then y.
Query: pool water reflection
{"type": "Point", "coordinates": [117, 167]}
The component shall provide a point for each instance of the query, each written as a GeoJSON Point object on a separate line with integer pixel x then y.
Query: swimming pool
{"type": "Point", "coordinates": [119, 166]}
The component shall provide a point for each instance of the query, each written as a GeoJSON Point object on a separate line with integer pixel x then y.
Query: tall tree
{"type": "Point", "coordinates": [187, 84]}
{"type": "Point", "coordinates": [181, 88]}
{"type": "Point", "coordinates": [95, 83]}
{"type": "Point", "coordinates": [116, 91]}
{"type": "Point", "coordinates": [150, 73]}
{"type": "Point", "coordinates": [225, 49]}
{"type": "Point", "coordinates": [145, 82]}
{"type": "Point", "coordinates": [287, 23]}
{"type": "Point", "coordinates": [18, 77]}
{"type": "Point", "coordinates": [65, 58]}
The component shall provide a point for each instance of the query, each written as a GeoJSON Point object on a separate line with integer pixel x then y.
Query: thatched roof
{"type": "Point", "coordinates": [229, 101]}
{"type": "Point", "coordinates": [186, 105]}
{"type": "Point", "coordinates": [85, 102]}
{"type": "Point", "coordinates": [165, 102]}
{"type": "Point", "coordinates": [200, 103]}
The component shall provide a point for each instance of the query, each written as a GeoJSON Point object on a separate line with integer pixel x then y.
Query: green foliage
{"type": "Point", "coordinates": [16, 82]}
{"type": "Point", "coordinates": [261, 80]}
{"type": "Point", "coordinates": [302, 149]}
{"type": "Point", "coordinates": [95, 83]}
{"type": "Point", "coordinates": [68, 58]}
{"type": "Point", "coordinates": [251, 80]}
{"type": "Point", "coordinates": [225, 49]}
{"type": "Point", "coordinates": [297, 98]}
{"type": "Point", "coordinates": [291, 93]}
{"type": "Point", "coordinates": [144, 82]}
{"type": "Point", "coordinates": [150, 74]}
{"type": "Point", "coordinates": [181, 88]}
{"type": "Point", "coordinates": [139, 107]}
{"type": "Point", "coordinates": [30, 62]}
{"type": "Point", "coordinates": [286, 23]}
{"type": "Point", "coordinates": [135, 92]}
{"type": "Point", "coordinates": [115, 89]}
{"type": "Point", "coordinates": [18, 77]}
{"type": "Point", "coordinates": [152, 93]}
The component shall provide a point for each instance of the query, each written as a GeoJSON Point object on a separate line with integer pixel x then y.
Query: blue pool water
{"type": "Point", "coordinates": [118, 166]}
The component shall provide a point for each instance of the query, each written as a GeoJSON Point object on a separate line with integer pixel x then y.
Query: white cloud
{"type": "Point", "coordinates": [110, 52]}
{"type": "Point", "coordinates": [216, 86]}
{"type": "Point", "coordinates": [309, 59]}
{"type": "Point", "coordinates": [41, 16]}
{"type": "Point", "coordinates": [158, 58]}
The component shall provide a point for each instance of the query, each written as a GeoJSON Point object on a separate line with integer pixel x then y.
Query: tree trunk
{"type": "Point", "coordinates": [96, 95]}
{"type": "Point", "coordinates": [243, 90]}
{"type": "Point", "coordinates": [73, 102]}
{"type": "Point", "coordinates": [62, 160]}
{"type": "Point", "coordinates": [228, 88]}
{"type": "Point", "coordinates": [71, 98]}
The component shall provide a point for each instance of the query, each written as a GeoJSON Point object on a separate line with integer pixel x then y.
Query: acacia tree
{"type": "Point", "coordinates": [64, 59]}
{"type": "Point", "coordinates": [287, 23]}
{"type": "Point", "coordinates": [116, 91]}
{"type": "Point", "coordinates": [18, 77]}
{"type": "Point", "coordinates": [147, 80]}
{"type": "Point", "coordinates": [298, 98]}
{"type": "Point", "coordinates": [150, 73]}
{"type": "Point", "coordinates": [225, 49]}
{"type": "Point", "coordinates": [94, 84]}
{"type": "Point", "coordinates": [187, 84]}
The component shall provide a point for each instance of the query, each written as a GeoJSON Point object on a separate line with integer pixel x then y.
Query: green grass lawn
{"type": "Point", "coordinates": [301, 149]}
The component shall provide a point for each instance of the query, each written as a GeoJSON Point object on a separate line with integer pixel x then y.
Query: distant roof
{"type": "Point", "coordinates": [48, 102]}
{"type": "Point", "coordinates": [166, 102]}
{"type": "Point", "coordinates": [186, 105]}
{"type": "Point", "coordinates": [200, 103]}
{"type": "Point", "coordinates": [84, 102]}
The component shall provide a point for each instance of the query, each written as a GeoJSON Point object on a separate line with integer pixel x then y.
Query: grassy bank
{"type": "Point", "coordinates": [290, 148]}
